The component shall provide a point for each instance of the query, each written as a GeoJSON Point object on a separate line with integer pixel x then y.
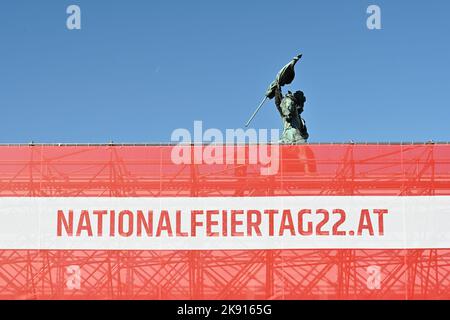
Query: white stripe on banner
{"type": "Point", "coordinates": [322, 222]}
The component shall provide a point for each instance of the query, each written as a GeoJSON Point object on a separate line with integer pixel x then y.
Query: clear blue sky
{"type": "Point", "coordinates": [140, 69]}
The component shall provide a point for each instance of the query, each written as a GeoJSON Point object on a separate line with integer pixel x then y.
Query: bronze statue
{"type": "Point", "coordinates": [289, 106]}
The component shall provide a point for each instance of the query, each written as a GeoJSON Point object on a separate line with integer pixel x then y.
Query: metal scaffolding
{"type": "Point", "coordinates": [147, 171]}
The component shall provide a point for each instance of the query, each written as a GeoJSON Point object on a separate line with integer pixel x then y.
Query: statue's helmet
{"type": "Point", "coordinates": [300, 97]}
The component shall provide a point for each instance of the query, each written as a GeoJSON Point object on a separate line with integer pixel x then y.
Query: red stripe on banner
{"type": "Point", "coordinates": [226, 275]}
{"type": "Point", "coordinates": [150, 171]}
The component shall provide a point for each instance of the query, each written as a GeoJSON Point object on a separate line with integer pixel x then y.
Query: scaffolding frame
{"type": "Point", "coordinates": [146, 171]}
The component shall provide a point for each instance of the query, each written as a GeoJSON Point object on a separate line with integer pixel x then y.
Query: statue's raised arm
{"type": "Point", "coordinates": [284, 77]}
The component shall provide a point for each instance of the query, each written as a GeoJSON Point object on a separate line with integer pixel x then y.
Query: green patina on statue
{"type": "Point", "coordinates": [290, 106]}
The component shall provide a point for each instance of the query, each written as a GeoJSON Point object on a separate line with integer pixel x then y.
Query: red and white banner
{"type": "Point", "coordinates": [304, 222]}
{"type": "Point", "coordinates": [228, 223]}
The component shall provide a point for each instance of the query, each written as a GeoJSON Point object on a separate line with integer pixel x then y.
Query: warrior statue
{"type": "Point", "coordinates": [289, 106]}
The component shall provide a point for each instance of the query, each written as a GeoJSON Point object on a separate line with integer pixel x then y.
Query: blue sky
{"type": "Point", "coordinates": [140, 69]}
